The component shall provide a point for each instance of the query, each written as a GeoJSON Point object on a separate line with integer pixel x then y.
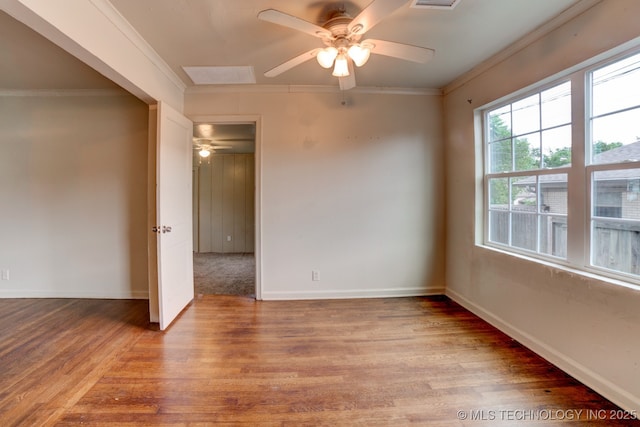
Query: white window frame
{"type": "Point", "coordinates": [592, 168]}
{"type": "Point", "coordinates": [519, 173]}
{"type": "Point", "coordinates": [579, 173]}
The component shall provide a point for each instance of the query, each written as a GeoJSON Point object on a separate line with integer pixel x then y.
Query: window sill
{"type": "Point", "coordinates": [587, 274]}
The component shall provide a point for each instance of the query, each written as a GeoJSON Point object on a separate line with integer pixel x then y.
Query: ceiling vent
{"type": "Point", "coordinates": [434, 4]}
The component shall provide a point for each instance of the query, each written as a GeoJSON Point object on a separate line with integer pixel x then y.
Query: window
{"type": "Point", "coordinates": [529, 147]}
{"type": "Point", "coordinates": [614, 123]}
{"type": "Point", "coordinates": [568, 191]}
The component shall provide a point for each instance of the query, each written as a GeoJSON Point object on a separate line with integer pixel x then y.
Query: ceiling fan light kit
{"type": "Point", "coordinates": [341, 34]}
{"type": "Point", "coordinates": [336, 56]}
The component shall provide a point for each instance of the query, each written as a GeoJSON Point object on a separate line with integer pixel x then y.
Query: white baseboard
{"type": "Point", "coordinates": [606, 388]}
{"type": "Point", "coordinates": [351, 294]}
{"type": "Point", "coordinates": [74, 294]}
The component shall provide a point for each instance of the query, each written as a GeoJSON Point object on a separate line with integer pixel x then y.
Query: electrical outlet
{"type": "Point", "coordinates": [5, 274]}
{"type": "Point", "coordinates": [315, 275]}
{"type": "Point", "coordinates": [228, 238]}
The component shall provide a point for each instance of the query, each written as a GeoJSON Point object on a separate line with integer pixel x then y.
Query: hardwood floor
{"type": "Point", "coordinates": [235, 361]}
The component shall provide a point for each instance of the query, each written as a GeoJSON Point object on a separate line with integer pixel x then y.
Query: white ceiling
{"type": "Point", "coordinates": [228, 33]}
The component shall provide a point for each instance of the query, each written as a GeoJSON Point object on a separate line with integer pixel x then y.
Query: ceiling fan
{"type": "Point", "coordinates": [341, 35]}
{"type": "Point", "coordinates": [206, 146]}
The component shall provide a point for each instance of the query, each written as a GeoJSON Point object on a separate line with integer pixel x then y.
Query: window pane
{"type": "Point", "coordinates": [616, 138]}
{"type": "Point", "coordinates": [616, 86]}
{"type": "Point", "coordinates": [556, 147]}
{"type": "Point", "coordinates": [500, 123]}
{"type": "Point", "coordinates": [553, 194]}
{"type": "Point", "coordinates": [499, 227]}
{"type": "Point", "coordinates": [524, 230]}
{"type": "Point", "coordinates": [553, 235]}
{"type": "Point", "coordinates": [498, 193]}
{"type": "Point", "coordinates": [500, 159]}
{"type": "Point", "coordinates": [616, 194]}
{"type": "Point", "coordinates": [527, 151]}
{"type": "Point", "coordinates": [499, 210]}
{"type": "Point", "coordinates": [523, 194]}
{"type": "Point", "coordinates": [526, 115]}
{"type": "Point", "coordinates": [616, 245]}
{"type": "Point", "coordinates": [556, 105]}
{"type": "Point", "coordinates": [616, 242]}
{"type": "Point", "coordinates": [553, 221]}
{"type": "Point", "coordinates": [524, 204]}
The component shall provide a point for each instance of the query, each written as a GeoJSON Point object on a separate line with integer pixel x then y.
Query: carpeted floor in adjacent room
{"type": "Point", "coordinates": [224, 274]}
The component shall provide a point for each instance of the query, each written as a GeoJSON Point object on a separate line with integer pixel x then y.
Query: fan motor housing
{"type": "Point", "coordinates": [338, 24]}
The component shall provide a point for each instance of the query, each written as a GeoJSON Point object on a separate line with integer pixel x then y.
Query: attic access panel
{"type": "Point", "coordinates": [434, 4]}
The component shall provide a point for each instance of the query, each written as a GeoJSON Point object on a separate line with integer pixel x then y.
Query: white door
{"type": "Point", "coordinates": [174, 218]}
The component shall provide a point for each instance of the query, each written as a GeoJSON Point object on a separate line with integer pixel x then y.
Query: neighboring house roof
{"type": "Point", "coordinates": [620, 154]}
{"type": "Point", "coordinates": [629, 152]}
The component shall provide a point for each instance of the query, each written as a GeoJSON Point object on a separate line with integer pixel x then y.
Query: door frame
{"type": "Point", "coordinates": [244, 119]}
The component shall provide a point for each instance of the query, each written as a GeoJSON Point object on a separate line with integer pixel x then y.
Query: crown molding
{"type": "Point", "coordinates": [210, 89]}
{"type": "Point", "coordinates": [559, 20]}
{"type": "Point", "coordinates": [119, 21]}
{"type": "Point", "coordinates": [43, 93]}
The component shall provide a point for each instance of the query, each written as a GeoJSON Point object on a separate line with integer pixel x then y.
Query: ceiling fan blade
{"type": "Point", "coordinates": [280, 18]}
{"type": "Point", "coordinates": [211, 147]}
{"type": "Point", "coordinates": [400, 50]}
{"type": "Point", "coordinates": [348, 82]}
{"type": "Point", "coordinates": [292, 63]}
{"type": "Point", "coordinates": [374, 13]}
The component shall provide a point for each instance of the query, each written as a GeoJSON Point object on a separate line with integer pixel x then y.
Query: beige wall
{"type": "Point", "coordinates": [354, 191]}
{"type": "Point", "coordinates": [224, 197]}
{"type": "Point", "coordinates": [73, 192]}
{"type": "Point", "coordinates": [586, 326]}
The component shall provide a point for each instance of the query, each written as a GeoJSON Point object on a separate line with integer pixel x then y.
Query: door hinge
{"type": "Point", "coordinates": [155, 229]}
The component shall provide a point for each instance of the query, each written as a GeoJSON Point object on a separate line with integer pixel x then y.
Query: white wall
{"type": "Point", "coordinates": [586, 326]}
{"type": "Point", "coordinates": [355, 192]}
{"type": "Point", "coordinates": [73, 196]}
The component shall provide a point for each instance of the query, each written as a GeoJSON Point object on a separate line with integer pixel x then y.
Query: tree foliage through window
{"type": "Point", "coordinates": [525, 157]}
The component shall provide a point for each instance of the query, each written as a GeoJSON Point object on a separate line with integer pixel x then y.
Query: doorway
{"type": "Point", "coordinates": [224, 208]}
